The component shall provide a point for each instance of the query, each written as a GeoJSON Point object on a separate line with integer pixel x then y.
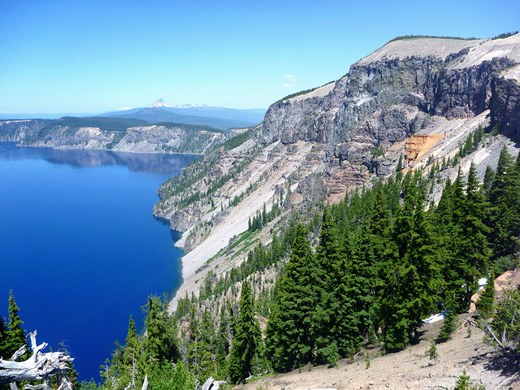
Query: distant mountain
{"type": "Point", "coordinates": [219, 117]}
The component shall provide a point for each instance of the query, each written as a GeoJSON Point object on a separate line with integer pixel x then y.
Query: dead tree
{"type": "Point", "coordinates": [39, 367]}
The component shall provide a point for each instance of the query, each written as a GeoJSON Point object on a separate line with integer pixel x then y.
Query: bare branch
{"type": "Point", "coordinates": [490, 331]}
{"type": "Point", "coordinates": [38, 367]}
{"type": "Point", "coordinates": [18, 353]}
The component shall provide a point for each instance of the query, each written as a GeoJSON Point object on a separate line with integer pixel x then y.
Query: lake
{"type": "Point", "coordinates": [79, 245]}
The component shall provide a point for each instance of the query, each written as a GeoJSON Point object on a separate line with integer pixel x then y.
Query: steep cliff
{"type": "Point", "coordinates": [113, 134]}
{"type": "Point", "coordinates": [400, 90]}
{"type": "Point", "coordinates": [419, 98]}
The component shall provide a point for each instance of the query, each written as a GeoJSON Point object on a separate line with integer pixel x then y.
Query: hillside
{"type": "Point", "coordinates": [117, 134]}
{"type": "Point", "coordinates": [408, 369]}
{"type": "Point", "coordinates": [351, 133]}
{"type": "Point", "coordinates": [426, 109]}
{"type": "Point", "coordinates": [320, 240]}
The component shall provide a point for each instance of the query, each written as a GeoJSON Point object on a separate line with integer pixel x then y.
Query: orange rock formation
{"type": "Point", "coordinates": [418, 145]}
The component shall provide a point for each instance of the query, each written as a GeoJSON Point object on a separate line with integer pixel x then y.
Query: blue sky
{"type": "Point", "coordinates": [94, 56]}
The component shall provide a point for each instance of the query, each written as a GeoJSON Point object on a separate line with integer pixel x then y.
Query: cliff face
{"type": "Point", "coordinates": [382, 101]}
{"type": "Point", "coordinates": [142, 139]}
{"type": "Point", "coordinates": [418, 98]}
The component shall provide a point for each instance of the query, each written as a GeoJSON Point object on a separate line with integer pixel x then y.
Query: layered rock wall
{"type": "Point", "coordinates": [384, 101]}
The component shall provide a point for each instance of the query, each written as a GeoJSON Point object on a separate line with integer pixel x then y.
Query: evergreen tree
{"type": "Point", "coordinates": [199, 347]}
{"type": "Point", "coordinates": [222, 345]}
{"type": "Point", "coordinates": [131, 358]}
{"type": "Point", "coordinates": [489, 176]}
{"type": "Point", "coordinates": [411, 287]}
{"type": "Point", "coordinates": [3, 339]}
{"type": "Point", "coordinates": [161, 340]}
{"type": "Point", "coordinates": [464, 383]}
{"type": "Point", "coordinates": [486, 301]}
{"type": "Point", "coordinates": [473, 246]}
{"type": "Point", "coordinates": [291, 329]}
{"type": "Point", "coordinates": [506, 320]}
{"type": "Point", "coordinates": [356, 292]}
{"type": "Point", "coordinates": [449, 321]}
{"type": "Point", "coordinates": [432, 352]}
{"type": "Point", "coordinates": [504, 198]}
{"type": "Point", "coordinates": [245, 340]}
{"type": "Point", "coordinates": [327, 305]}
{"type": "Point", "coordinates": [15, 334]}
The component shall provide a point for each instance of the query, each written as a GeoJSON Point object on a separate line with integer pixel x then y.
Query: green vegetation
{"type": "Point", "coordinates": [188, 127]}
{"type": "Point", "coordinates": [363, 272]}
{"type": "Point", "coordinates": [464, 383]}
{"type": "Point", "coordinates": [485, 303]}
{"type": "Point", "coordinates": [12, 338]}
{"type": "Point", "coordinates": [304, 92]}
{"type": "Point", "coordinates": [506, 321]}
{"type": "Point", "coordinates": [15, 334]}
{"type": "Point", "coordinates": [236, 141]}
{"type": "Point", "coordinates": [505, 35]}
{"type": "Point", "coordinates": [199, 171]}
{"type": "Point", "coordinates": [404, 37]}
{"type": "Point", "coordinates": [470, 144]}
{"type": "Point", "coordinates": [245, 340]}
{"type": "Point", "coordinates": [432, 352]}
{"type": "Point", "coordinates": [109, 124]}
{"type": "Point", "coordinates": [263, 218]}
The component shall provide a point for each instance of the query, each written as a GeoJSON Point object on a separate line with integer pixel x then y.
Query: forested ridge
{"type": "Point", "coordinates": [385, 259]}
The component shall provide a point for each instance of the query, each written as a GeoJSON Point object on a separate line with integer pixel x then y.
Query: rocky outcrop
{"type": "Point", "coordinates": [418, 145]}
{"type": "Point", "coordinates": [505, 107]}
{"type": "Point", "coordinates": [144, 139]}
{"type": "Point", "coordinates": [386, 98]}
{"type": "Point", "coordinates": [21, 130]}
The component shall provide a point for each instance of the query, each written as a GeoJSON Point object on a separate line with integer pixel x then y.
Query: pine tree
{"type": "Point", "coordinates": [222, 345]}
{"type": "Point", "coordinates": [489, 176]}
{"type": "Point", "coordinates": [15, 334]}
{"type": "Point", "coordinates": [506, 320]}
{"type": "Point", "coordinates": [161, 343]}
{"type": "Point", "coordinates": [327, 305]}
{"type": "Point", "coordinates": [504, 198]}
{"type": "Point", "coordinates": [399, 169]}
{"type": "Point", "coordinates": [356, 292]}
{"type": "Point", "coordinates": [473, 246]}
{"type": "Point", "coordinates": [291, 329]}
{"type": "Point", "coordinates": [464, 383]}
{"type": "Point", "coordinates": [450, 320]}
{"type": "Point", "coordinates": [245, 340]}
{"type": "Point", "coordinates": [131, 351]}
{"type": "Point", "coordinates": [412, 285]}
{"type": "Point", "coordinates": [432, 352]}
{"type": "Point", "coordinates": [485, 304]}
{"type": "Point", "coordinates": [3, 339]}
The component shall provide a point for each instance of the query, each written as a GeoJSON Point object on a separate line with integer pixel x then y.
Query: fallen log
{"type": "Point", "coordinates": [38, 367]}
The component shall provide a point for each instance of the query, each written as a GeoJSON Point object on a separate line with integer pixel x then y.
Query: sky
{"type": "Point", "coordinates": [96, 56]}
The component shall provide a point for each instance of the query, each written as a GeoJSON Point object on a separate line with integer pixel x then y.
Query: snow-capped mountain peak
{"type": "Point", "coordinates": [158, 103]}
{"type": "Point", "coordinates": [190, 105]}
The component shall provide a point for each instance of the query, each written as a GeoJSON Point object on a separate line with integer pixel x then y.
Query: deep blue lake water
{"type": "Point", "coordinates": [79, 245]}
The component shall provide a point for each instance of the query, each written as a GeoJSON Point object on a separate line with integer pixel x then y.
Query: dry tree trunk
{"type": "Point", "coordinates": [40, 366]}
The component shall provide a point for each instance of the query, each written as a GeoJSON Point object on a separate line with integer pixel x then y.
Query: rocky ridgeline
{"type": "Point", "coordinates": [140, 139]}
{"type": "Point", "coordinates": [316, 146]}
{"type": "Point", "coordinates": [394, 93]}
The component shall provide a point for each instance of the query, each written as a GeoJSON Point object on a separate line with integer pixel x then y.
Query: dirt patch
{"type": "Point", "coordinates": [408, 369]}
